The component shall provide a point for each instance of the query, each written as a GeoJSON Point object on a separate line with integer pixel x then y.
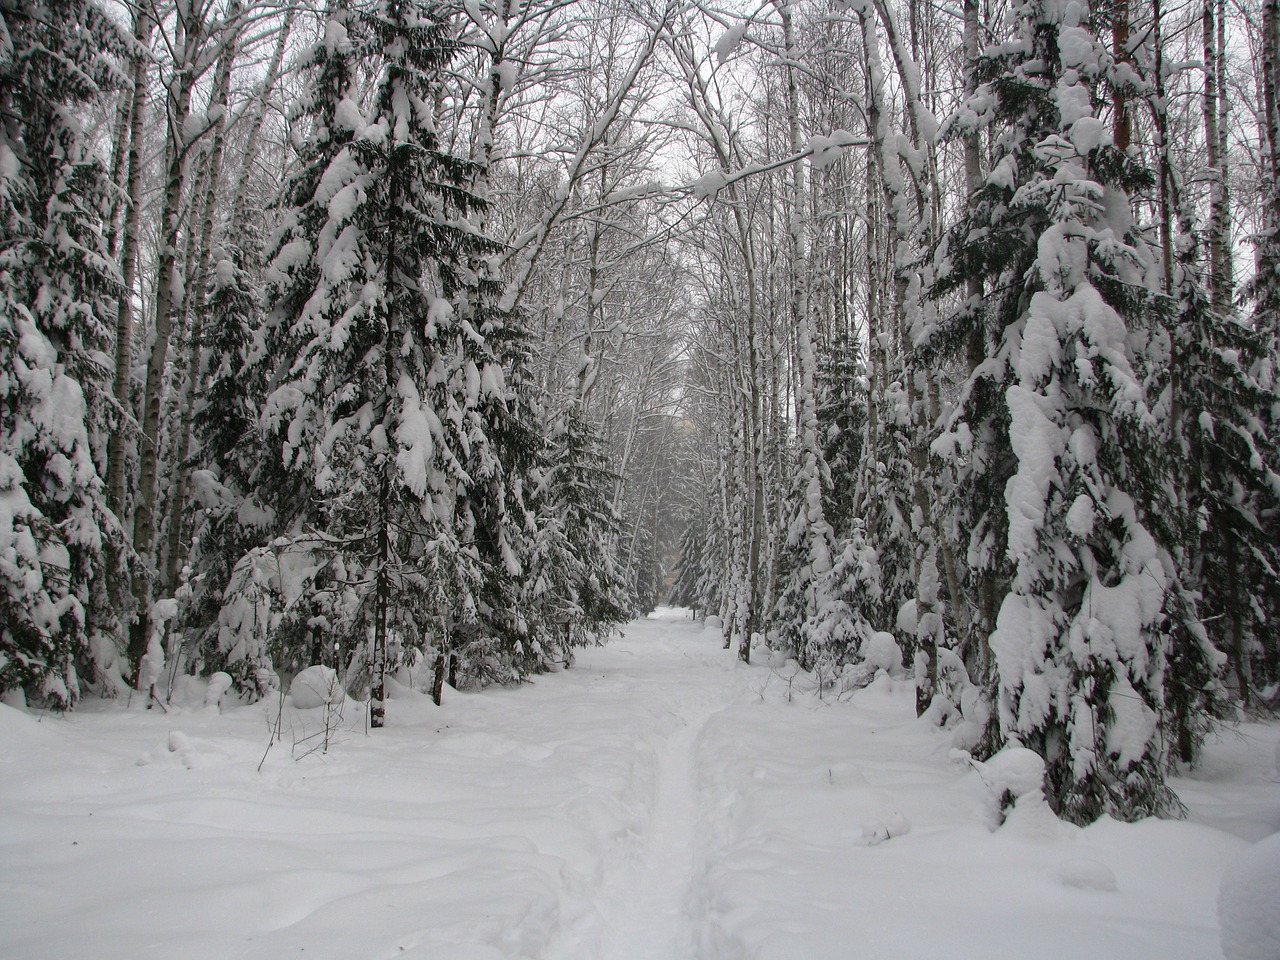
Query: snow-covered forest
{"type": "Point", "coordinates": [437, 339]}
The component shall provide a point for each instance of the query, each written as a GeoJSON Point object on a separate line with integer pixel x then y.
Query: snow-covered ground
{"type": "Point", "coordinates": [657, 801]}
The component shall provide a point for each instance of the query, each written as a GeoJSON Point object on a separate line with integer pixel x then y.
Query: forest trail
{"type": "Point", "coordinates": [649, 903]}
{"type": "Point", "coordinates": [658, 801]}
{"type": "Point", "coordinates": [657, 922]}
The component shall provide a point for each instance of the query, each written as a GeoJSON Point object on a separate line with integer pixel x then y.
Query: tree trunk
{"type": "Point", "coordinates": [1220, 272]}
{"type": "Point", "coordinates": [116, 448]}
{"type": "Point", "coordinates": [982, 621]}
{"type": "Point", "coordinates": [382, 596]}
{"type": "Point", "coordinates": [819, 559]}
{"type": "Point", "coordinates": [1121, 124]}
{"type": "Point", "coordinates": [1271, 103]}
{"type": "Point", "coordinates": [193, 310]}
{"type": "Point", "coordinates": [906, 295]}
{"type": "Point", "coordinates": [240, 205]}
{"type": "Point", "coordinates": [391, 290]}
{"type": "Point", "coordinates": [1268, 314]}
{"type": "Point", "coordinates": [1239, 654]}
{"type": "Point", "coordinates": [1164, 165]}
{"type": "Point", "coordinates": [120, 137]}
{"type": "Point", "coordinates": [167, 296]}
{"type": "Point", "coordinates": [438, 671]}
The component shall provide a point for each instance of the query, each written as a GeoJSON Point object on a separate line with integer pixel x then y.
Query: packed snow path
{"type": "Point", "coordinates": [647, 912]}
{"type": "Point", "coordinates": [659, 801]}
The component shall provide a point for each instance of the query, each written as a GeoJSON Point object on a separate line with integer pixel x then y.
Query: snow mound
{"type": "Point", "coordinates": [189, 691]}
{"type": "Point", "coordinates": [219, 683]}
{"type": "Point", "coordinates": [316, 687]}
{"type": "Point", "coordinates": [1014, 769]}
{"type": "Point", "coordinates": [1032, 821]}
{"type": "Point", "coordinates": [1249, 903]}
{"type": "Point", "coordinates": [781, 660]}
{"type": "Point", "coordinates": [17, 700]}
{"type": "Point", "coordinates": [1086, 875]}
{"type": "Point", "coordinates": [179, 750]}
{"type": "Point", "coordinates": [1018, 773]}
{"type": "Point", "coordinates": [397, 689]}
{"type": "Point", "coordinates": [883, 653]}
{"type": "Point", "coordinates": [19, 729]}
{"type": "Point", "coordinates": [879, 830]}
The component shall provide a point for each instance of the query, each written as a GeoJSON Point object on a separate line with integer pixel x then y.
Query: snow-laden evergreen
{"type": "Point", "coordinates": [401, 491]}
{"type": "Point", "coordinates": [56, 290]}
{"type": "Point", "coordinates": [1219, 419]}
{"type": "Point", "coordinates": [386, 390]}
{"type": "Point", "coordinates": [1061, 458]}
{"type": "Point", "coordinates": [575, 591]}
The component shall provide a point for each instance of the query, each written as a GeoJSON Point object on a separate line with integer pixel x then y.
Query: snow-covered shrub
{"type": "Point", "coordinates": [316, 686]}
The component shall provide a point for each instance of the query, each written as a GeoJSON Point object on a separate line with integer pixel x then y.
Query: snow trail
{"type": "Point", "coordinates": [659, 801]}
{"type": "Point", "coordinates": [657, 923]}
{"type": "Point", "coordinates": [652, 905]}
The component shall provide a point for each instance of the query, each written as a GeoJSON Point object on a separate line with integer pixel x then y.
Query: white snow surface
{"type": "Point", "coordinates": [1249, 903]}
{"type": "Point", "coordinates": [659, 800]}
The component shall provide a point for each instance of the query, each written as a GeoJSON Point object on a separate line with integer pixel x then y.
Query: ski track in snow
{"type": "Point", "coordinates": [656, 926]}
{"type": "Point", "coordinates": [656, 922]}
{"type": "Point", "coordinates": [647, 908]}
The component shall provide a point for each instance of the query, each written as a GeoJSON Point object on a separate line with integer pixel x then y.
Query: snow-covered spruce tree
{"type": "Point", "coordinates": [1219, 414]}
{"type": "Point", "coordinates": [842, 427]}
{"type": "Point", "coordinates": [256, 503]}
{"type": "Point", "coordinates": [504, 451]}
{"type": "Point", "coordinates": [807, 554]}
{"type": "Point", "coordinates": [703, 548]}
{"type": "Point", "coordinates": [712, 588]}
{"type": "Point", "coordinates": [56, 291]}
{"type": "Point", "coordinates": [1060, 460]}
{"type": "Point", "coordinates": [883, 515]}
{"type": "Point", "coordinates": [388, 396]}
{"type": "Point", "coordinates": [684, 591]}
{"type": "Point", "coordinates": [574, 586]}
{"type": "Point", "coordinates": [849, 597]}
{"type": "Point", "coordinates": [805, 561]}
{"type": "Point", "coordinates": [828, 610]}
{"type": "Point", "coordinates": [230, 520]}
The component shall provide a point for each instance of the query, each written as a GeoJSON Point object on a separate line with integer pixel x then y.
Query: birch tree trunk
{"type": "Point", "coordinates": [817, 532]}
{"type": "Point", "coordinates": [193, 307]}
{"type": "Point", "coordinates": [189, 37]}
{"type": "Point", "coordinates": [258, 116]}
{"type": "Point", "coordinates": [1271, 125]}
{"type": "Point", "coordinates": [1267, 282]}
{"type": "Point", "coordinates": [907, 295]}
{"type": "Point", "coordinates": [116, 447]}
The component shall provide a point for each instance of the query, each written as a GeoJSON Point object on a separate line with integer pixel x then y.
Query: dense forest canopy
{"type": "Point", "coordinates": [376, 332]}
